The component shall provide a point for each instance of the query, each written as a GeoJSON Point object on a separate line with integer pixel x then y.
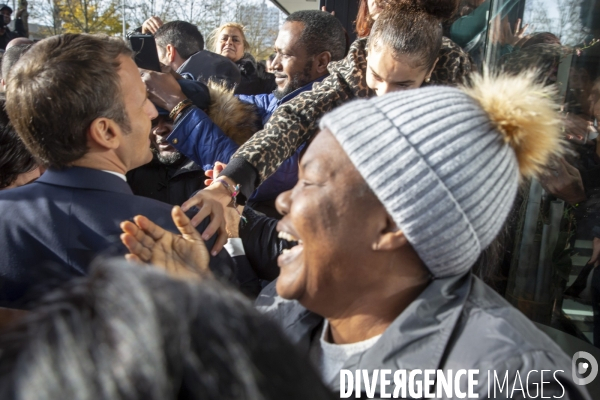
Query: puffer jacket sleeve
{"type": "Point", "coordinates": [260, 101]}
{"type": "Point", "coordinates": [296, 121]}
{"type": "Point", "coordinates": [197, 137]}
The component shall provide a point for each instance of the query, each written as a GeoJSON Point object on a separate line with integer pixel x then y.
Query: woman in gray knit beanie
{"type": "Point", "coordinates": [446, 162]}
{"type": "Point", "coordinates": [396, 198]}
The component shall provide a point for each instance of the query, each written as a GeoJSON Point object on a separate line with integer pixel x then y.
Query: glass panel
{"type": "Point", "coordinates": [541, 262]}
{"type": "Point", "coordinates": [549, 239]}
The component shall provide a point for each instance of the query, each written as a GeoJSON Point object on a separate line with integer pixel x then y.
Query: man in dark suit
{"type": "Point", "coordinates": [180, 45]}
{"type": "Point", "coordinates": [79, 104]}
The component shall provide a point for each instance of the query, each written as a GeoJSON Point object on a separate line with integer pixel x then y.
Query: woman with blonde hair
{"type": "Point", "coordinates": [230, 41]}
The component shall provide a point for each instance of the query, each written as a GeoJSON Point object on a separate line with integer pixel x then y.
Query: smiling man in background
{"type": "Point", "coordinates": [307, 42]}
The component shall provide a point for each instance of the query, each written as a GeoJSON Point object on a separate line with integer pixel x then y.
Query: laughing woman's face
{"type": "Point", "coordinates": [333, 216]}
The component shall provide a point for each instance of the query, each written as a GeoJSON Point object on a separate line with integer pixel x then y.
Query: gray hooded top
{"type": "Point", "coordinates": [457, 322]}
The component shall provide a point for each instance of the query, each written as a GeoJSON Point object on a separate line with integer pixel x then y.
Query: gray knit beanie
{"type": "Point", "coordinates": [445, 168]}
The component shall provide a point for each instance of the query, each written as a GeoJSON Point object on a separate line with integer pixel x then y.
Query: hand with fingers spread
{"type": "Point", "coordinates": [151, 25]}
{"type": "Point", "coordinates": [518, 33]}
{"type": "Point", "coordinates": [503, 34]}
{"type": "Point", "coordinates": [182, 255]}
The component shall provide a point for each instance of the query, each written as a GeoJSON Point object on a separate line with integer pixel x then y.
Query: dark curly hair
{"type": "Point", "coordinates": [442, 9]}
{"type": "Point", "coordinates": [133, 333]}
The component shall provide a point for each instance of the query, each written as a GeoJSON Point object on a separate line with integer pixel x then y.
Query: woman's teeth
{"type": "Point", "coordinates": [289, 237]}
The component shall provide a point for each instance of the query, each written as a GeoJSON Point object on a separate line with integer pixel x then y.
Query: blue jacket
{"type": "Point", "coordinates": [265, 104]}
{"type": "Point", "coordinates": [201, 140]}
{"type": "Point", "coordinates": [53, 228]}
{"type": "Point", "coordinates": [286, 176]}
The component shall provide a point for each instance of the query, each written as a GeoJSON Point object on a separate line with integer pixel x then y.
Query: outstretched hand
{"type": "Point", "coordinates": [212, 203]}
{"type": "Point", "coordinates": [182, 255]}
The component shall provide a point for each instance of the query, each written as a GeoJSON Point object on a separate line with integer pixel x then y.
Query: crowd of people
{"type": "Point", "coordinates": [330, 210]}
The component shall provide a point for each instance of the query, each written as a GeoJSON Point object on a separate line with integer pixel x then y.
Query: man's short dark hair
{"type": "Point", "coordinates": [185, 37]}
{"type": "Point", "coordinates": [15, 159]}
{"type": "Point", "coordinates": [11, 56]}
{"type": "Point", "coordinates": [322, 32]}
{"type": "Point", "coordinates": [126, 332]}
{"type": "Point", "coordinates": [59, 87]}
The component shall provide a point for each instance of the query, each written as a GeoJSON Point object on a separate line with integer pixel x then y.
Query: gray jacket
{"type": "Point", "coordinates": [456, 323]}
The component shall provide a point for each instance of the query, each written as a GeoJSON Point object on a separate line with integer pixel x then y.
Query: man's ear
{"type": "Point", "coordinates": [391, 238]}
{"type": "Point", "coordinates": [322, 61]}
{"type": "Point", "coordinates": [104, 133]}
{"type": "Point", "coordinates": [171, 53]}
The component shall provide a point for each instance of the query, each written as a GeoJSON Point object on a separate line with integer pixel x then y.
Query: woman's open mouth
{"type": "Point", "coordinates": [288, 256]}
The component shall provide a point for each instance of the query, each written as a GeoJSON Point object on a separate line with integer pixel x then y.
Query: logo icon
{"type": "Point", "coordinates": [580, 369]}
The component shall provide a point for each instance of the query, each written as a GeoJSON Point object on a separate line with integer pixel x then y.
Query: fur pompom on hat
{"type": "Point", "coordinates": [446, 162]}
{"type": "Point", "coordinates": [525, 113]}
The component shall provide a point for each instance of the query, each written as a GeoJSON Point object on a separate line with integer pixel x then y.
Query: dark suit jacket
{"type": "Point", "coordinates": [51, 229]}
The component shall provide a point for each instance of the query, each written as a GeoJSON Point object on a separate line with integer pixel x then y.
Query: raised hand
{"type": "Point", "coordinates": [502, 33]}
{"type": "Point", "coordinates": [183, 256]}
{"type": "Point", "coordinates": [151, 25]}
{"type": "Point", "coordinates": [163, 89]}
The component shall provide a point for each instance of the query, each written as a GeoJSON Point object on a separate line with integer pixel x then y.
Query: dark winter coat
{"type": "Point", "coordinates": [255, 79]}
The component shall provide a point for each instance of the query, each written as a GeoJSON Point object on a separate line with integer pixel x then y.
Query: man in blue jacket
{"type": "Point", "coordinates": [307, 42]}
{"type": "Point", "coordinates": [79, 105]}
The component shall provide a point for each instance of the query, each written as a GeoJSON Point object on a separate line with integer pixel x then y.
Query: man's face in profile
{"type": "Point", "coordinates": [292, 66]}
{"type": "Point", "coordinates": [134, 151]}
{"type": "Point", "coordinates": [333, 218]}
